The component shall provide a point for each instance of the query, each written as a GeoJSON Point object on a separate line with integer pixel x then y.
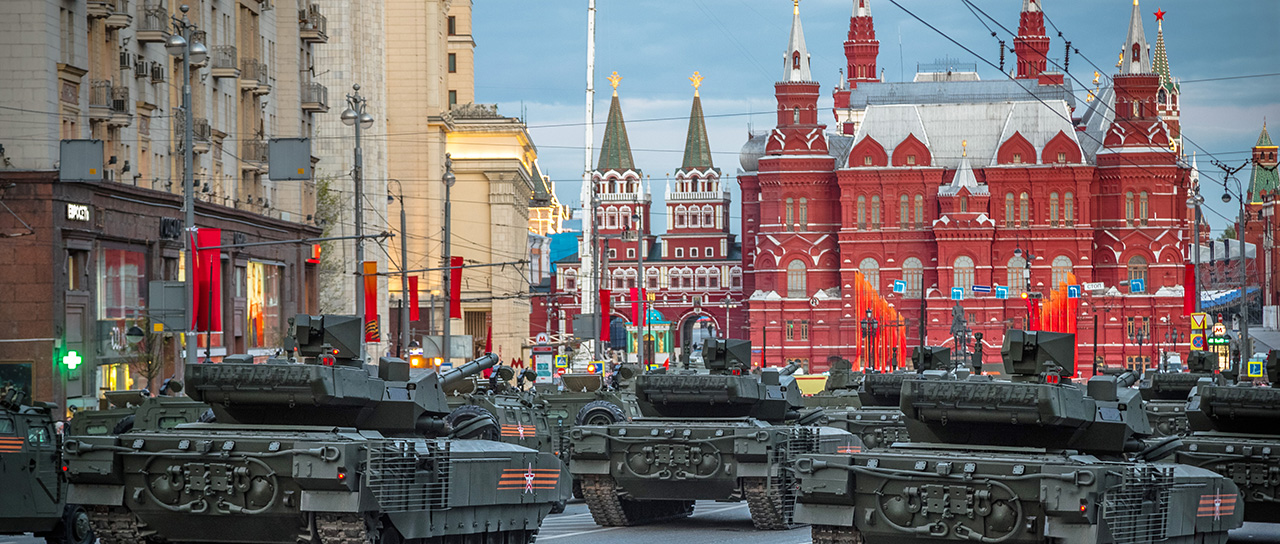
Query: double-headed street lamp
{"type": "Point", "coordinates": [449, 179]}
{"type": "Point", "coordinates": [404, 266]}
{"type": "Point", "coordinates": [181, 45]}
{"type": "Point", "coordinates": [869, 327]}
{"type": "Point", "coordinates": [356, 115]}
{"type": "Point", "coordinates": [1246, 348]}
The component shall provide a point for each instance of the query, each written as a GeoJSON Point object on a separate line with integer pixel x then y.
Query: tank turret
{"type": "Point", "coordinates": [885, 389]}
{"type": "Point", "coordinates": [1239, 408]}
{"type": "Point", "coordinates": [791, 369]}
{"type": "Point", "coordinates": [330, 386]}
{"type": "Point", "coordinates": [1039, 408]}
{"type": "Point", "coordinates": [1177, 385]}
{"type": "Point", "coordinates": [728, 391]}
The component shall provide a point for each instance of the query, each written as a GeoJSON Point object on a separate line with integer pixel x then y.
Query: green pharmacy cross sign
{"type": "Point", "coordinates": [71, 360]}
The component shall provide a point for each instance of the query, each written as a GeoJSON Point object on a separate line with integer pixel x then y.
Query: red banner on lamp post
{"type": "Point", "coordinates": [413, 298]}
{"type": "Point", "coordinates": [455, 287]}
{"type": "Point", "coordinates": [206, 270]}
{"type": "Point", "coordinates": [372, 333]}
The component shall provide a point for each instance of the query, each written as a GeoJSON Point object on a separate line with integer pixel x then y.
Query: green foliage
{"type": "Point", "coordinates": [329, 209]}
{"type": "Point", "coordinates": [1229, 233]}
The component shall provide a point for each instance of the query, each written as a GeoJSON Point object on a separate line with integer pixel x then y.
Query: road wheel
{"type": "Point", "coordinates": [473, 422]}
{"type": "Point", "coordinates": [600, 412]}
{"type": "Point", "coordinates": [831, 534]}
{"type": "Point", "coordinates": [124, 425]}
{"type": "Point", "coordinates": [74, 528]}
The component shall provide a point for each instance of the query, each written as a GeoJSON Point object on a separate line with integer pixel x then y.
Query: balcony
{"type": "Point", "coordinates": [98, 9]}
{"type": "Point", "coordinates": [153, 24]}
{"type": "Point", "coordinates": [120, 116]}
{"type": "Point", "coordinates": [253, 155]}
{"type": "Point", "coordinates": [315, 98]}
{"type": "Point", "coordinates": [99, 100]}
{"type": "Point", "coordinates": [264, 80]}
{"type": "Point", "coordinates": [223, 62]}
{"type": "Point", "coordinates": [249, 69]}
{"type": "Point", "coordinates": [313, 27]}
{"type": "Point", "coordinates": [120, 16]}
{"type": "Point", "coordinates": [201, 133]}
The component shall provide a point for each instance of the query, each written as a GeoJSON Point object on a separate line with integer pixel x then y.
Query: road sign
{"type": "Point", "coordinates": [1094, 286]}
{"type": "Point", "coordinates": [542, 338]}
{"type": "Point", "coordinates": [1073, 291]}
{"type": "Point", "coordinates": [899, 286]}
{"type": "Point", "coordinates": [1002, 293]}
{"type": "Point", "coordinates": [982, 288]}
{"type": "Point", "coordinates": [1255, 369]}
{"type": "Point", "coordinates": [1137, 286]}
{"type": "Point", "coordinates": [1197, 341]}
{"type": "Point", "coordinates": [957, 293]}
{"type": "Point", "coordinates": [1199, 321]}
{"type": "Point", "coordinates": [562, 361]}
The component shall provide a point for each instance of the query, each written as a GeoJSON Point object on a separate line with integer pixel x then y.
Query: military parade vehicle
{"type": "Point", "coordinates": [135, 408]}
{"type": "Point", "coordinates": [1235, 432]}
{"type": "Point", "coordinates": [325, 449]}
{"type": "Point", "coordinates": [1165, 394]}
{"type": "Point", "coordinates": [34, 497]}
{"type": "Point", "coordinates": [841, 388]}
{"type": "Point", "coordinates": [1034, 460]}
{"type": "Point", "coordinates": [873, 415]}
{"type": "Point", "coordinates": [725, 435]}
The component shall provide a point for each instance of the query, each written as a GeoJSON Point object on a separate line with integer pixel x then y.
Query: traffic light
{"type": "Point", "coordinates": [417, 361]}
{"type": "Point", "coordinates": [72, 360]}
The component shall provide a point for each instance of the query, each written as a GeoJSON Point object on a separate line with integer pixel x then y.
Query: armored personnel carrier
{"type": "Point", "coordinates": [725, 436]}
{"type": "Point", "coordinates": [34, 499]}
{"type": "Point", "coordinates": [1235, 431]}
{"type": "Point", "coordinates": [1165, 394]}
{"type": "Point", "coordinates": [876, 418]}
{"type": "Point", "coordinates": [1032, 460]}
{"type": "Point", "coordinates": [136, 409]}
{"type": "Point", "coordinates": [322, 450]}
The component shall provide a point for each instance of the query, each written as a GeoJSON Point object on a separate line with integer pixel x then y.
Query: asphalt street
{"type": "Point", "coordinates": [712, 523]}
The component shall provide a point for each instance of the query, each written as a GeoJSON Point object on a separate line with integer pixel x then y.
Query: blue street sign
{"type": "Point", "coordinates": [1137, 286]}
{"type": "Point", "coordinates": [899, 286]}
{"type": "Point", "coordinates": [957, 293]}
{"type": "Point", "coordinates": [982, 288]}
{"type": "Point", "coordinates": [1002, 293]}
{"type": "Point", "coordinates": [1073, 291]}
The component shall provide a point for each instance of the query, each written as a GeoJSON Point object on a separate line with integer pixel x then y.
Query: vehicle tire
{"type": "Point", "coordinates": [558, 507]}
{"type": "Point", "coordinates": [577, 489]}
{"type": "Point", "coordinates": [600, 412]}
{"type": "Point", "coordinates": [124, 425]}
{"type": "Point", "coordinates": [74, 528]}
{"type": "Point", "coordinates": [473, 422]}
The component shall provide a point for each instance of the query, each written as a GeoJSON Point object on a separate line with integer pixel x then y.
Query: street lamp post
{"type": "Point", "coordinates": [356, 115]}
{"type": "Point", "coordinates": [180, 44]}
{"type": "Point", "coordinates": [869, 327]}
{"type": "Point", "coordinates": [449, 179]}
{"type": "Point", "coordinates": [404, 266]}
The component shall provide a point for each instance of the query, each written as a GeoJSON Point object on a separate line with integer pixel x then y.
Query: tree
{"type": "Point", "coordinates": [1228, 233]}
{"type": "Point", "coordinates": [329, 209]}
{"type": "Point", "coordinates": [146, 358]}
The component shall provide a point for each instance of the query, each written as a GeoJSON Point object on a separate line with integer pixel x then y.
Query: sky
{"type": "Point", "coordinates": [531, 61]}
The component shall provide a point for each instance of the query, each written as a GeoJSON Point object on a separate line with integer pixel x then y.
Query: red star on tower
{"type": "Point", "coordinates": [1160, 15]}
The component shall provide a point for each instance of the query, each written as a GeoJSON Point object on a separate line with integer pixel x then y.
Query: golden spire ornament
{"type": "Point", "coordinates": [796, 7]}
{"type": "Point", "coordinates": [964, 148]}
{"type": "Point", "coordinates": [614, 80]}
{"type": "Point", "coordinates": [697, 82]}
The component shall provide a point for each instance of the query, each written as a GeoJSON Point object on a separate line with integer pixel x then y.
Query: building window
{"type": "Point", "coordinates": [1142, 208]}
{"type": "Point", "coordinates": [122, 282]}
{"type": "Point", "coordinates": [1137, 270]}
{"type": "Point", "coordinates": [804, 214]}
{"type": "Point", "coordinates": [679, 253]}
{"type": "Point", "coordinates": [713, 278]}
{"type": "Point", "coordinates": [693, 252]}
{"type": "Point", "coordinates": [1024, 210]}
{"type": "Point", "coordinates": [1008, 210]}
{"type": "Point", "coordinates": [702, 278]}
{"type": "Point", "coordinates": [804, 329]}
{"type": "Point", "coordinates": [1128, 209]}
{"type": "Point", "coordinates": [862, 213]}
{"type": "Point", "coordinates": [791, 330]}
{"type": "Point", "coordinates": [613, 253]}
{"type": "Point", "coordinates": [1061, 271]}
{"type": "Point", "coordinates": [913, 274]}
{"type": "Point", "coordinates": [1062, 157]}
{"type": "Point", "coordinates": [1053, 209]}
{"type": "Point", "coordinates": [1069, 209]}
{"type": "Point", "coordinates": [651, 278]}
{"type": "Point", "coordinates": [570, 282]}
{"type": "Point", "coordinates": [904, 218]}
{"type": "Point", "coordinates": [453, 26]}
{"type": "Point", "coordinates": [680, 216]}
{"type": "Point", "coordinates": [795, 112]}
{"type": "Point", "coordinates": [709, 219]}
{"type": "Point", "coordinates": [735, 278]}
{"type": "Point", "coordinates": [1017, 158]}
{"type": "Point", "coordinates": [796, 273]}
{"type": "Point", "coordinates": [1016, 272]}
{"type": "Point", "coordinates": [964, 204]}
{"type": "Point", "coordinates": [919, 212]}
{"type": "Point", "coordinates": [453, 63]}
{"type": "Point", "coordinates": [871, 272]}
{"type": "Point", "coordinates": [265, 324]}
{"type": "Point", "coordinates": [708, 252]}
{"type": "Point", "coordinates": [875, 212]}
{"type": "Point", "coordinates": [631, 253]}
{"type": "Point", "coordinates": [962, 274]}
{"type": "Point", "coordinates": [791, 214]}
{"type": "Point", "coordinates": [911, 160]}
{"type": "Point", "coordinates": [77, 272]}
{"type": "Point", "coordinates": [866, 161]}
{"type": "Point", "coordinates": [453, 98]}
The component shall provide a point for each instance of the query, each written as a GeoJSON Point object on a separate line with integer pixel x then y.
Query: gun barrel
{"type": "Point", "coordinates": [1127, 379]}
{"type": "Point", "coordinates": [470, 369]}
{"type": "Point", "coordinates": [789, 369]}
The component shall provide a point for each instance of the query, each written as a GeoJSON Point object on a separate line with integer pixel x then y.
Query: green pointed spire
{"type": "Point", "coordinates": [1264, 179]}
{"type": "Point", "coordinates": [615, 149]}
{"type": "Point", "coordinates": [697, 150]}
{"type": "Point", "coordinates": [1162, 57]}
{"type": "Point", "coordinates": [1264, 139]}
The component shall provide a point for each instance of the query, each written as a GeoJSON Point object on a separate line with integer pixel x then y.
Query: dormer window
{"type": "Point", "coordinates": [795, 60]}
{"type": "Point", "coordinates": [795, 115]}
{"type": "Point", "coordinates": [1017, 158]}
{"type": "Point", "coordinates": [1062, 157]}
{"type": "Point", "coordinates": [866, 161]}
{"type": "Point", "coordinates": [911, 159]}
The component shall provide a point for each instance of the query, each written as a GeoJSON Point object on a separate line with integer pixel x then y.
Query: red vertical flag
{"type": "Point", "coordinates": [455, 287]}
{"type": "Point", "coordinates": [413, 298]}
{"type": "Point", "coordinates": [371, 330]}
{"type": "Point", "coordinates": [604, 314]}
{"type": "Point", "coordinates": [1189, 293]}
{"type": "Point", "coordinates": [206, 270]}
{"type": "Point", "coordinates": [635, 306]}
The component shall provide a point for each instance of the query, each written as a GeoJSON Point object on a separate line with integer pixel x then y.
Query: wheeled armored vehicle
{"type": "Point", "coordinates": [34, 499]}
{"type": "Point", "coordinates": [322, 450]}
{"type": "Point", "coordinates": [1165, 394]}
{"type": "Point", "coordinates": [1032, 460]}
{"type": "Point", "coordinates": [725, 436]}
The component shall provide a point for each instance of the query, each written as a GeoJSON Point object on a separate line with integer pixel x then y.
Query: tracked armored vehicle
{"type": "Point", "coordinates": [841, 389]}
{"type": "Point", "coordinates": [1165, 394]}
{"type": "Point", "coordinates": [34, 499]}
{"type": "Point", "coordinates": [876, 418]}
{"type": "Point", "coordinates": [325, 450]}
{"type": "Point", "coordinates": [724, 436]}
{"type": "Point", "coordinates": [1033, 460]}
{"type": "Point", "coordinates": [1235, 431]}
{"type": "Point", "coordinates": [136, 409]}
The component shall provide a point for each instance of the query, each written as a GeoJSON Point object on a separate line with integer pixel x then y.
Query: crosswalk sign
{"type": "Point", "coordinates": [1199, 321]}
{"type": "Point", "coordinates": [1197, 342]}
{"type": "Point", "coordinates": [1255, 369]}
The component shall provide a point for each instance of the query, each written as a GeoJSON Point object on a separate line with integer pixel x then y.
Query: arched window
{"type": "Point", "coordinates": [871, 271]}
{"type": "Point", "coordinates": [612, 218]}
{"type": "Point", "coordinates": [796, 275]}
{"type": "Point", "coordinates": [1128, 209]}
{"type": "Point", "coordinates": [795, 60]}
{"type": "Point", "coordinates": [964, 204]}
{"type": "Point", "coordinates": [1024, 210]}
{"type": "Point", "coordinates": [913, 274]}
{"type": "Point", "coordinates": [1053, 209]}
{"type": "Point", "coordinates": [795, 115]}
{"type": "Point", "coordinates": [680, 216]}
{"type": "Point", "coordinates": [1142, 208]}
{"type": "Point", "coordinates": [701, 278]}
{"type": "Point", "coordinates": [962, 274]}
{"type": "Point", "coordinates": [804, 214]}
{"type": "Point", "coordinates": [570, 279]}
{"type": "Point", "coordinates": [624, 217]}
{"type": "Point", "coordinates": [791, 214]}
{"type": "Point", "coordinates": [1069, 210]}
{"type": "Point", "coordinates": [1137, 270]}
{"type": "Point", "coordinates": [1061, 271]}
{"type": "Point", "coordinates": [1016, 272]}
{"type": "Point", "coordinates": [875, 212]}
{"type": "Point", "coordinates": [1008, 210]}
{"type": "Point", "coordinates": [919, 211]}
{"type": "Point", "coordinates": [708, 217]}
{"type": "Point", "coordinates": [735, 277]}
{"type": "Point", "coordinates": [862, 213]}
{"type": "Point", "coordinates": [904, 217]}
{"type": "Point", "coordinates": [651, 277]}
